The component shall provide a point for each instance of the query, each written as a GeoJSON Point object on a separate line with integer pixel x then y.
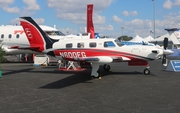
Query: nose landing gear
{"type": "Point", "coordinates": [147, 71]}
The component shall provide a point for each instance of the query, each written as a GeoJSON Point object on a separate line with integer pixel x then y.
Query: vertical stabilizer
{"type": "Point", "coordinates": [174, 35]}
{"type": "Point", "coordinates": [36, 36]}
{"type": "Point", "coordinates": [90, 26]}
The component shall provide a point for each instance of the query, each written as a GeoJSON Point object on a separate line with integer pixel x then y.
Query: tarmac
{"type": "Point", "coordinates": [25, 88]}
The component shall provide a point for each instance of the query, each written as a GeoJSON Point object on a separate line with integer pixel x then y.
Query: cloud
{"type": "Point", "coordinates": [132, 13]}
{"type": "Point", "coordinates": [141, 27]}
{"type": "Point", "coordinates": [39, 21]}
{"type": "Point", "coordinates": [110, 27]}
{"type": "Point", "coordinates": [70, 10]}
{"type": "Point", "coordinates": [15, 21]}
{"type": "Point", "coordinates": [167, 4]}
{"type": "Point", "coordinates": [31, 5]}
{"type": "Point", "coordinates": [125, 13]}
{"type": "Point", "coordinates": [68, 31]}
{"type": "Point", "coordinates": [26, 11]}
{"type": "Point", "coordinates": [115, 18]}
{"type": "Point", "coordinates": [177, 3]}
{"type": "Point", "coordinates": [11, 9]}
{"type": "Point", "coordinates": [97, 19]}
{"type": "Point", "coordinates": [5, 3]}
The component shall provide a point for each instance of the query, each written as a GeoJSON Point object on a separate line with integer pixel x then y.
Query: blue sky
{"type": "Point", "coordinates": [109, 16]}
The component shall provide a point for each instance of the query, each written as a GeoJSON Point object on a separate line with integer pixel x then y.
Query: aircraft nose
{"type": "Point", "coordinates": [167, 52]}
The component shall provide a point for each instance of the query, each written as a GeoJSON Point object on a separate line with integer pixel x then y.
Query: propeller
{"type": "Point", "coordinates": [165, 45]}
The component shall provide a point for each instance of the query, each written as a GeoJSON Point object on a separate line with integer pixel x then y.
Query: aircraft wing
{"type": "Point", "coordinates": [24, 47]}
{"type": "Point", "coordinates": [101, 59]}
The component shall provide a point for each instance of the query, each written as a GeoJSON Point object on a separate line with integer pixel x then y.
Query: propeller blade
{"type": "Point", "coordinates": [165, 43]}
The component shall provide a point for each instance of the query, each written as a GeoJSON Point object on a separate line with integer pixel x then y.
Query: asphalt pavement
{"type": "Point", "coordinates": [25, 88]}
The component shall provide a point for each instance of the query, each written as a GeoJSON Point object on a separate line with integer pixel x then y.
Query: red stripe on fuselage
{"type": "Point", "coordinates": [80, 53]}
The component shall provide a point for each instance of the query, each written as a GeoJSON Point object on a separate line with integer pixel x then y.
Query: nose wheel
{"type": "Point", "coordinates": [146, 71]}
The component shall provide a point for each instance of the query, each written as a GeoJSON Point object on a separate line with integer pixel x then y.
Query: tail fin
{"type": "Point", "coordinates": [174, 35]}
{"type": "Point", "coordinates": [36, 36]}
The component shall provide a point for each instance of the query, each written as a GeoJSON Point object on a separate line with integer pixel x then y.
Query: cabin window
{"type": "Point", "coordinates": [69, 45]}
{"type": "Point", "coordinates": [80, 45]}
{"type": "Point", "coordinates": [17, 36]}
{"type": "Point", "coordinates": [92, 44]}
{"type": "Point", "coordinates": [10, 36]}
{"type": "Point", "coordinates": [109, 44]}
{"type": "Point", "coordinates": [2, 36]}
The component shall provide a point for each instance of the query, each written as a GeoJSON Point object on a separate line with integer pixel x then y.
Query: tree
{"type": "Point", "coordinates": [2, 53]}
{"type": "Point", "coordinates": [124, 38]}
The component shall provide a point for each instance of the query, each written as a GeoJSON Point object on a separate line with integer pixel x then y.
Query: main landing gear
{"type": "Point", "coordinates": [97, 75]}
{"type": "Point", "coordinates": [106, 67]}
{"type": "Point", "coordinates": [94, 72]}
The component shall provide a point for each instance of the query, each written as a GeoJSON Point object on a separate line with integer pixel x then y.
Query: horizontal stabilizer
{"type": "Point", "coordinates": [172, 29]}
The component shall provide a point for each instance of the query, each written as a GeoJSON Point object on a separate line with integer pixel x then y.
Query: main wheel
{"type": "Point", "coordinates": [146, 71]}
{"type": "Point", "coordinates": [106, 67]}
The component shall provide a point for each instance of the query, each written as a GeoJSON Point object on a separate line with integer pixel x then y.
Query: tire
{"type": "Point", "coordinates": [106, 67]}
{"type": "Point", "coordinates": [146, 71]}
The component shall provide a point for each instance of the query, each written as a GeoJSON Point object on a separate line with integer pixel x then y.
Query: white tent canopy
{"type": "Point", "coordinates": [137, 38]}
{"type": "Point", "coordinates": [149, 38]}
{"type": "Point", "coordinates": [161, 38]}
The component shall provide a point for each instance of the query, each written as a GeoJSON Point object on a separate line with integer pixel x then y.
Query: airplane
{"type": "Point", "coordinates": [14, 35]}
{"type": "Point", "coordinates": [95, 52]}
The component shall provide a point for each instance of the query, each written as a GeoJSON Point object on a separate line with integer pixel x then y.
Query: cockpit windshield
{"type": "Point", "coordinates": [54, 33]}
{"type": "Point", "coordinates": [118, 42]}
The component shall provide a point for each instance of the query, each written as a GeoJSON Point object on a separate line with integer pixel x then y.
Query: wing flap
{"type": "Point", "coordinates": [97, 59]}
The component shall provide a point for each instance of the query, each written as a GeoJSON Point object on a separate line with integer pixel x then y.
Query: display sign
{"type": "Point", "coordinates": [174, 65]}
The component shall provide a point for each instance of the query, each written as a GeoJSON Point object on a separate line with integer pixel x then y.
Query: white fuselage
{"type": "Point", "coordinates": [106, 47]}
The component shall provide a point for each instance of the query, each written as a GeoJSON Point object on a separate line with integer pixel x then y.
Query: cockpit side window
{"type": "Point", "coordinates": [119, 43]}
